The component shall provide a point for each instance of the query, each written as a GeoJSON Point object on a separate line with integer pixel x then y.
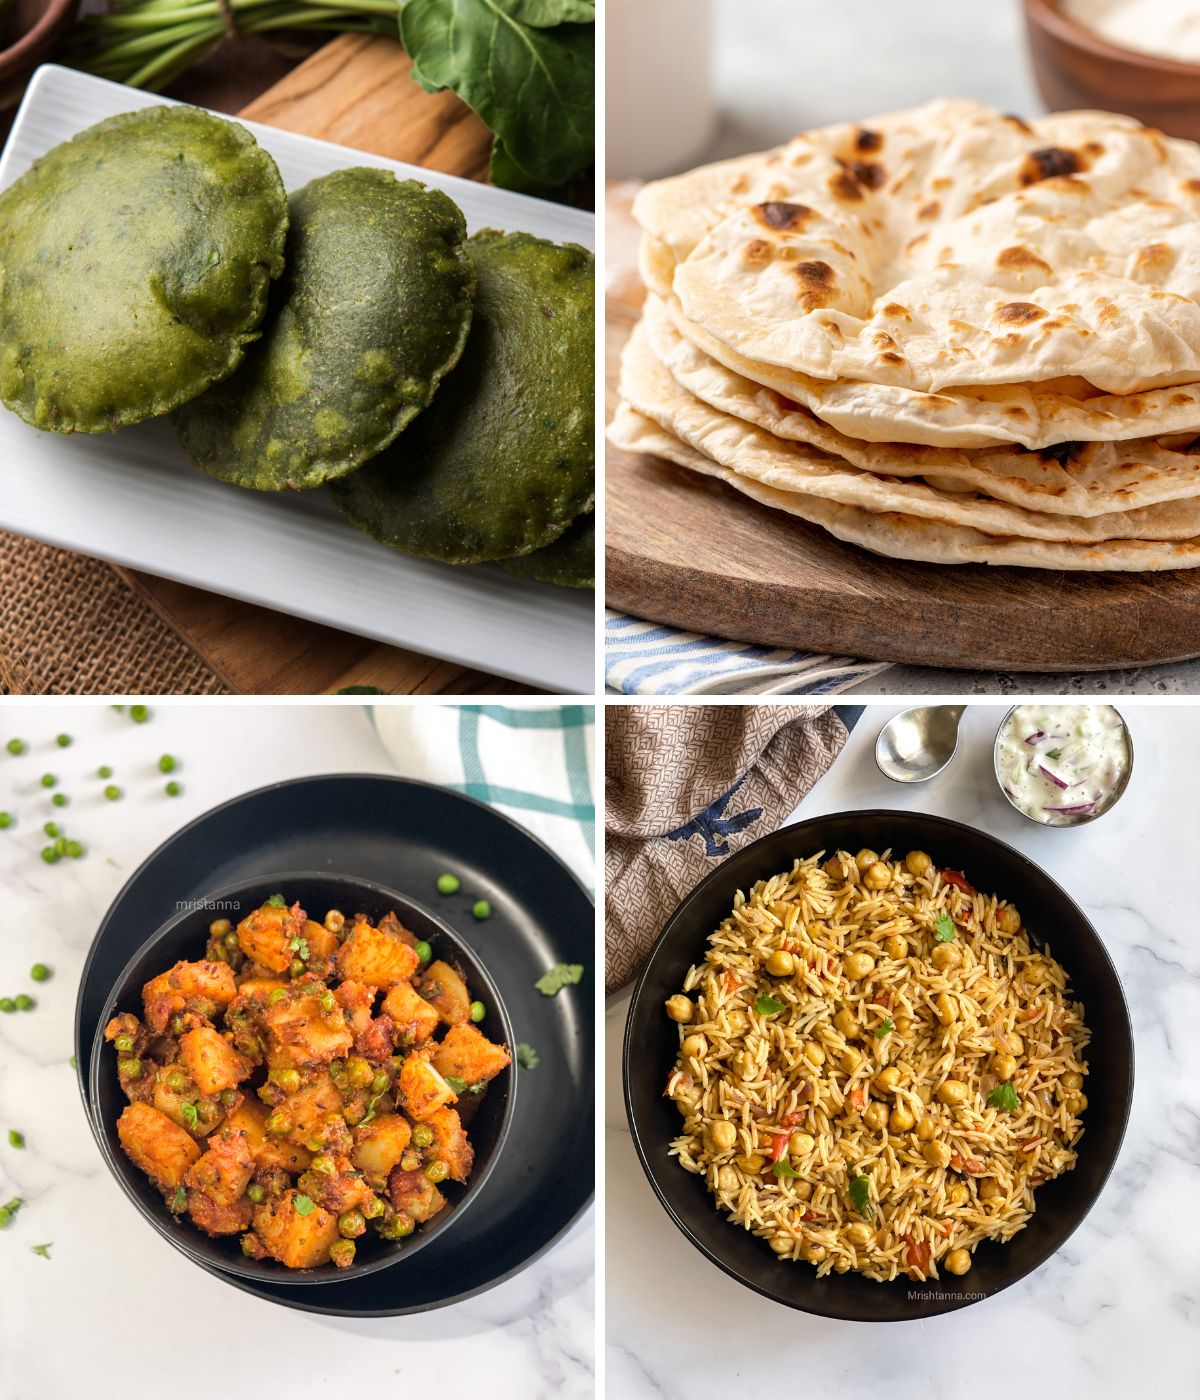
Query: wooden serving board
{"type": "Point", "coordinates": [356, 91]}
{"type": "Point", "coordinates": [694, 553]}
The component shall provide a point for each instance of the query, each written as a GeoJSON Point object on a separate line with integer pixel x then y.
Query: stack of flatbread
{"type": "Point", "coordinates": [945, 335]}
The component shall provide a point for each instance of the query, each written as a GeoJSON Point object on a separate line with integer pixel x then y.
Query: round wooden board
{"type": "Point", "coordinates": [690, 551]}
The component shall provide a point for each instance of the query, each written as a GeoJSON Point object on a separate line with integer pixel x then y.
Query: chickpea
{"type": "Point", "coordinates": [812, 1252]}
{"type": "Point", "coordinates": [926, 1130]}
{"type": "Point", "coordinates": [937, 1154]}
{"type": "Point", "coordinates": [801, 1144]}
{"type": "Point", "coordinates": [858, 1234]}
{"type": "Point", "coordinates": [876, 1116]}
{"type": "Point", "coordinates": [958, 1261]}
{"type": "Point", "coordinates": [858, 965]}
{"type": "Point", "coordinates": [887, 1079]}
{"type": "Point", "coordinates": [903, 1025]}
{"type": "Point", "coordinates": [866, 858]}
{"type": "Point", "coordinates": [1076, 1103]}
{"type": "Point", "coordinates": [781, 963]}
{"type": "Point", "coordinates": [814, 1054]}
{"type": "Point", "coordinates": [957, 1193]}
{"type": "Point", "coordinates": [693, 1046]}
{"type": "Point", "coordinates": [782, 1244]}
{"type": "Point", "coordinates": [1008, 920]}
{"type": "Point", "coordinates": [803, 1190]}
{"type": "Point", "coordinates": [989, 1189]}
{"type": "Point", "coordinates": [895, 945]}
{"type": "Point", "coordinates": [917, 863]}
{"type": "Point", "coordinates": [738, 1022]}
{"type": "Point", "coordinates": [833, 867]}
{"type": "Point", "coordinates": [952, 1092]}
{"type": "Point", "coordinates": [1071, 1083]}
{"type": "Point", "coordinates": [844, 1021]}
{"type": "Point", "coordinates": [727, 1179]}
{"type": "Point", "coordinates": [721, 1135]}
{"type": "Point", "coordinates": [744, 1065]}
{"type": "Point", "coordinates": [751, 1164]}
{"type": "Point", "coordinates": [850, 1060]}
{"type": "Point", "coordinates": [877, 876]}
{"type": "Point", "coordinates": [947, 1010]}
{"type": "Point", "coordinates": [901, 1119]}
{"type": "Point", "coordinates": [1016, 1045]}
{"type": "Point", "coordinates": [1003, 1067]}
{"type": "Point", "coordinates": [944, 956]}
{"type": "Point", "coordinates": [680, 1008]}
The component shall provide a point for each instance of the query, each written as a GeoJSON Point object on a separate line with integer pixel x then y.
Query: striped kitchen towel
{"type": "Point", "coordinates": [646, 658]}
{"type": "Point", "coordinates": [534, 763]}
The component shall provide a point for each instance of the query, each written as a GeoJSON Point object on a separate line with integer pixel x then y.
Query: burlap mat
{"type": "Point", "coordinates": [70, 625]}
{"type": "Point", "coordinates": [686, 785]}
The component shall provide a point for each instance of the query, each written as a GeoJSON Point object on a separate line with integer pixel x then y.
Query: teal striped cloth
{"type": "Point", "coordinates": [532, 762]}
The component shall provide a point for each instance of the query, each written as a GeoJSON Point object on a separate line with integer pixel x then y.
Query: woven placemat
{"type": "Point", "coordinates": [70, 625]}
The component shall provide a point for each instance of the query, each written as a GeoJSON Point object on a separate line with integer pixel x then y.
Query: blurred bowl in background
{"type": "Point", "coordinates": [30, 31]}
{"type": "Point", "coordinates": [1075, 67]}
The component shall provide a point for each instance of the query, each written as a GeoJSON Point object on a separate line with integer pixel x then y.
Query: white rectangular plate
{"type": "Point", "coordinates": [133, 498]}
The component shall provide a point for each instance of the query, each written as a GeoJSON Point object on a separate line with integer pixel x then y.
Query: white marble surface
{"type": "Point", "coordinates": [1117, 1311]}
{"type": "Point", "coordinates": [115, 1312]}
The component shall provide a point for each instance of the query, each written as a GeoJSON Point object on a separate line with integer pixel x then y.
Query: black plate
{"type": "Point", "coordinates": [183, 938]}
{"type": "Point", "coordinates": [404, 834]}
{"type": "Point", "coordinates": [651, 1044]}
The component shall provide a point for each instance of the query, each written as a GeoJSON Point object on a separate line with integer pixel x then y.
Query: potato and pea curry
{"type": "Point", "coordinates": [303, 1081]}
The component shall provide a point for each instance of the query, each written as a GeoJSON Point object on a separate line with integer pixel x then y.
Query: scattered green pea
{"type": "Point", "coordinates": [174, 789]}
{"type": "Point", "coordinates": [166, 764]}
{"type": "Point", "coordinates": [60, 846]}
{"type": "Point", "coordinates": [448, 884]}
{"type": "Point", "coordinates": [105, 772]}
{"type": "Point", "coordinates": [16, 1139]}
{"type": "Point", "coordinates": [478, 1011]}
{"type": "Point", "coordinates": [60, 799]}
{"type": "Point", "coordinates": [131, 1068]}
{"type": "Point", "coordinates": [481, 909]}
{"type": "Point", "coordinates": [52, 829]}
{"type": "Point", "coordinates": [7, 1004]}
{"type": "Point", "coordinates": [16, 747]}
{"type": "Point", "coordinates": [73, 1062]}
{"type": "Point", "coordinates": [424, 952]}
{"type": "Point", "coordinates": [64, 741]}
{"type": "Point", "coordinates": [24, 1001]}
{"type": "Point", "coordinates": [40, 972]}
{"type": "Point", "coordinates": [139, 713]}
{"type": "Point", "coordinates": [436, 1171]}
{"type": "Point", "coordinates": [75, 849]}
{"type": "Point", "coordinates": [123, 1042]}
{"type": "Point", "coordinates": [49, 780]}
{"type": "Point", "coordinates": [112, 792]}
{"type": "Point", "coordinates": [49, 855]}
{"type": "Point", "coordinates": [6, 820]}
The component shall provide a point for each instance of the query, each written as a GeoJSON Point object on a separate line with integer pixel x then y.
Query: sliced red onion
{"type": "Point", "coordinates": [1057, 781]}
{"type": "Point", "coordinates": [1034, 738]}
{"type": "Point", "coordinates": [1079, 808]}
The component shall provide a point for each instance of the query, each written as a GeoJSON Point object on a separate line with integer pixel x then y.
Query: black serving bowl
{"type": "Point", "coordinates": [651, 1045]}
{"type": "Point", "coordinates": [184, 936]}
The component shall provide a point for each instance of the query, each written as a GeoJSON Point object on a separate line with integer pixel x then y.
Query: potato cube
{"type": "Point", "coordinates": [379, 1145]}
{"type": "Point", "coordinates": [412, 1016]}
{"type": "Point", "coordinates": [160, 1148]}
{"type": "Point", "coordinates": [451, 1141]}
{"type": "Point", "coordinates": [224, 1171]}
{"type": "Point", "coordinates": [444, 989]}
{"type": "Point", "coordinates": [250, 1118]}
{"type": "Point", "coordinates": [308, 1032]}
{"type": "Point", "coordinates": [298, 1239]}
{"type": "Point", "coordinates": [469, 1055]}
{"type": "Point", "coordinates": [321, 943]}
{"type": "Point", "coordinates": [212, 1061]}
{"type": "Point", "coordinates": [420, 1089]}
{"type": "Point", "coordinates": [379, 959]}
{"type": "Point", "coordinates": [308, 1108]}
{"type": "Point", "coordinates": [266, 936]}
{"type": "Point", "coordinates": [203, 987]}
{"type": "Point", "coordinates": [414, 1194]}
{"type": "Point", "coordinates": [216, 1219]}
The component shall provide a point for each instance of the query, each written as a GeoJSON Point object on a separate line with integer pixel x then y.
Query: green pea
{"type": "Point", "coordinates": [219, 928]}
{"type": "Point", "coordinates": [341, 1253]}
{"type": "Point", "coordinates": [437, 1171]}
{"type": "Point", "coordinates": [166, 764]}
{"type": "Point", "coordinates": [178, 1025]}
{"type": "Point", "coordinates": [229, 1097]}
{"type": "Point", "coordinates": [105, 772]}
{"type": "Point", "coordinates": [231, 940]}
{"type": "Point", "coordinates": [123, 1042]}
{"type": "Point", "coordinates": [324, 1165]}
{"type": "Point", "coordinates": [139, 713]}
{"type": "Point", "coordinates": [7, 1004]}
{"type": "Point", "coordinates": [61, 845]}
{"type": "Point", "coordinates": [49, 855]}
{"type": "Point", "coordinates": [250, 1245]}
{"type": "Point", "coordinates": [5, 1217]}
{"type": "Point", "coordinates": [276, 995]}
{"type": "Point", "coordinates": [373, 1208]}
{"type": "Point", "coordinates": [49, 780]}
{"type": "Point", "coordinates": [288, 1080]}
{"type": "Point", "coordinates": [16, 1139]}
{"type": "Point", "coordinates": [113, 792]}
{"type": "Point", "coordinates": [24, 1002]}
{"type": "Point", "coordinates": [397, 1228]}
{"type": "Point", "coordinates": [448, 884]}
{"type": "Point", "coordinates": [478, 1011]}
{"type": "Point", "coordinates": [256, 1192]}
{"type": "Point", "coordinates": [278, 1124]}
{"type": "Point", "coordinates": [6, 820]}
{"type": "Point", "coordinates": [424, 952]}
{"type": "Point", "coordinates": [52, 829]}
{"type": "Point", "coordinates": [131, 1068]}
{"type": "Point", "coordinates": [75, 849]}
{"type": "Point", "coordinates": [177, 1081]}
{"type": "Point", "coordinates": [314, 1144]}
{"type": "Point", "coordinates": [481, 909]}
{"type": "Point", "coordinates": [422, 1135]}
{"type": "Point", "coordinates": [174, 789]}
{"type": "Point", "coordinates": [63, 741]}
{"type": "Point", "coordinates": [297, 968]}
{"type": "Point", "coordinates": [328, 1001]}
{"type": "Point", "coordinates": [60, 799]}
{"type": "Point", "coordinates": [352, 1224]}
{"type": "Point", "coordinates": [380, 1082]}
{"type": "Point", "coordinates": [16, 747]}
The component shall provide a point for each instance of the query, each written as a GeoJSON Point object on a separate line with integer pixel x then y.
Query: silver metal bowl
{"type": "Point", "coordinates": [1079, 818]}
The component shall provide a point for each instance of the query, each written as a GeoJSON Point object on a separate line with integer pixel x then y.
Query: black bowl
{"type": "Point", "coordinates": [184, 936]}
{"type": "Point", "coordinates": [651, 1045]}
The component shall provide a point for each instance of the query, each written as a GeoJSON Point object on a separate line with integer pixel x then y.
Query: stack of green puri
{"type": "Point", "coordinates": [135, 262]}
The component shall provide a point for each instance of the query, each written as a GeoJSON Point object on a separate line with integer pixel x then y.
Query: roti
{"type": "Point", "coordinates": [135, 262]}
{"type": "Point", "coordinates": [570, 562]}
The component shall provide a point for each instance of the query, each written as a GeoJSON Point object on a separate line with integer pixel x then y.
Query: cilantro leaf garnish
{"type": "Point", "coordinates": [458, 1085]}
{"type": "Point", "coordinates": [784, 1168]}
{"type": "Point", "coordinates": [191, 1114]}
{"type": "Point", "coordinates": [560, 975]}
{"type": "Point", "coordinates": [42, 1249]}
{"type": "Point", "coordinates": [1005, 1097]}
{"type": "Point", "coordinates": [886, 1028]}
{"type": "Point", "coordinates": [860, 1195]}
{"type": "Point", "coordinates": [768, 1006]}
{"type": "Point", "coordinates": [527, 1056]}
{"type": "Point", "coordinates": [943, 929]}
{"type": "Point", "coordinates": [305, 1205]}
{"type": "Point", "coordinates": [299, 945]}
{"type": "Point", "coordinates": [1054, 753]}
{"type": "Point", "coordinates": [178, 1201]}
{"type": "Point", "coordinates": [277, 901]}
